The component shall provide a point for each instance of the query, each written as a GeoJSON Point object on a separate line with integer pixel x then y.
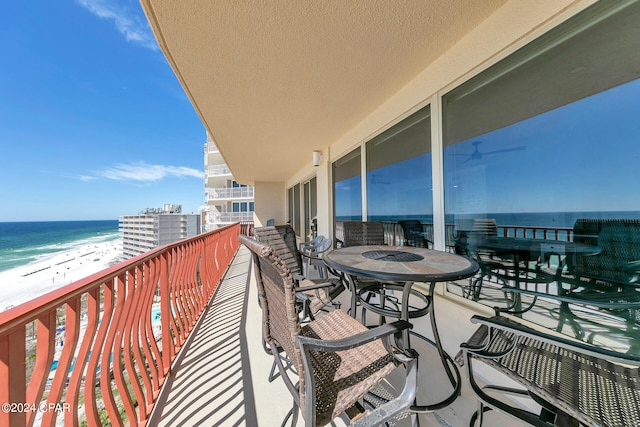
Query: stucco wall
{"type": "Point", "coordinates": [269, 198]}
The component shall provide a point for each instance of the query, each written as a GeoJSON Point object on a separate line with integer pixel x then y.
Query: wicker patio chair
{"type": "Point", "coordinates": [363, 233]}
{"type": "Point", "coordinates": [613, 273]}
{"type": "Point", "coordinates": [573, 382]}
{"type": "Point", "coordinates": [413, 232]}
{"type": "Point", "coordinates": [312, 253]}
{"type": "Point", "coordinates": [615, 267]}
{"type": "Point", "coordinates": [336, 358]}
{"type": "Point", "coordinates": [360, 233]}
{"type": "Point", "coordinates": [318, 293]}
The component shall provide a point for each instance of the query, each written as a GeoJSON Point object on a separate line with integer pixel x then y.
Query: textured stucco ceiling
{"type": "Point", "coordinates": [275, 80]}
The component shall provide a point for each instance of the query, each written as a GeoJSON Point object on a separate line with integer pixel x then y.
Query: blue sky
{"type": "Point", "coordinates": [93, 122]}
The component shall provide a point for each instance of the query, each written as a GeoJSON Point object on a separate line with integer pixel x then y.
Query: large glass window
{"type": "Point", "coordinates": [302, 208]}
{"type": "Point", "coordinates": [549, 134]}
{"type": "Point", "coordinates": [291, 209]}
{"type": "Point", "coordinates": [399, 171]}
{"type": "Point", "coordinates": [546, 139]}
{"type": "Point", "coordinates": [347, 187]}
{"type": "Point", "coordinates": [398, 181]}
{"type": "Point", "coordinates": [310, 209]}
{"type": "Point", "coordinates": [296, 207]}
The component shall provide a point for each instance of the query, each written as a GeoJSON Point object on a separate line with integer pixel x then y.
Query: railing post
{"type": "Point", "coordinates": [165, 312]}
{"type": "Point", "coordinates": [45, 349]}
{"type": "Point", "coordinates": [13, 388]}
{"type": "Point", "coordinates": [66, 361]}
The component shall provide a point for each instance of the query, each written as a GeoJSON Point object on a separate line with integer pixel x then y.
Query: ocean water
{"type": "Point", "coordinates": [22, 243]}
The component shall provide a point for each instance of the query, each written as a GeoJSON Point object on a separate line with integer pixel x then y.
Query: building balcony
{"type": "Point", "coordinates": [237, 193]}
{"type": "Point", "coordinates": [173, 337]}
{"type": "Point", "coordinates": [98, 351]}
{"type": "Point", "coordinates": [211, 148]}
{"type": "Point", "coordinates": [217, 170]}
{"type": "Point", "coordinates": [230, 217]}
{"type": "Point", "coordinates": [200, 362]}
{"type": "Point", "coordinates": [234, 389]}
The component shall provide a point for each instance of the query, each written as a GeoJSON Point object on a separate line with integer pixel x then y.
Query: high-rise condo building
{"type": "Point", "coordinates": [227, 201]}
{"type": "Point", "coordinates": [155, 227]}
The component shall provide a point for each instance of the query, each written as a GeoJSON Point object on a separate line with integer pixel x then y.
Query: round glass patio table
{"type": "Point", "coordinates": [404, 266]}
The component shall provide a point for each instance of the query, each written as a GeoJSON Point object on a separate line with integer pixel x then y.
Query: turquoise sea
{"type": "Point", "coordinates": [22, 243]}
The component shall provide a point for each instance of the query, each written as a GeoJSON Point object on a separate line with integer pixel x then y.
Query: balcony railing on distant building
{"type": "Point", "coordinates": [99, 350]}
{"type": "Point", "coordinates": [231, 217]}
{"type": "Point", "coordinates": [231, 193]}
{"type": "Point", "coordinates": [218, 170]}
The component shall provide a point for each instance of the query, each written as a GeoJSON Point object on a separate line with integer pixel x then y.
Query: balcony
{"type": "Point", "coordinates": [231, 217]}
{"type": "Point", "coordinates": [218, 170]}
{"type": "Point", "coordinates": [222, 371]}
{"type": "Point", "coordinates": [142, 343]}
{"type": "Point", "coordinates": [100, 349]}
{"type": "Point", "coordinates": [173, 337]}
{"type": "Point", "coordinates": [231, 193]}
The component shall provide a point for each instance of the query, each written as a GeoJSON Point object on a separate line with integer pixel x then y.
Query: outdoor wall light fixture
{"type": "Point", "coordinates": [317, 158]}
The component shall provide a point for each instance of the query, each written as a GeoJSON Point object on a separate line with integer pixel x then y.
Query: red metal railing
{"type": "Point", "coordinates": [92, 351]}
{"type": "Point", "coordinates": [246, 228]}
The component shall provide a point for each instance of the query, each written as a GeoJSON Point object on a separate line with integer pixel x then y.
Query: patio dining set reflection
{"type": "Point", "coordinates": [335, 362]}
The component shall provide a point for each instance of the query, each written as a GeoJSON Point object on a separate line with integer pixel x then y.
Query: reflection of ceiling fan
{"type": "Point", "coordinates": [477, 154]}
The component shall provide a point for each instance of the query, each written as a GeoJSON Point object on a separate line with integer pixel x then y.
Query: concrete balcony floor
{"type": "Point", "coordinates": [220, 375]}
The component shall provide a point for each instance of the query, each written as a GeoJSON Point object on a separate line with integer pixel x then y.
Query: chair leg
{"type": "Point", "coordinates": [479, 415]}
{"type": "Point", "coordinates": [293, 414]}
{"type": "Point", "coordinates": [273, 374]}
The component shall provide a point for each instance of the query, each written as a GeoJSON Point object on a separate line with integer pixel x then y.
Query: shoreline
{"type": "Point", "coordinates": [21, 284]}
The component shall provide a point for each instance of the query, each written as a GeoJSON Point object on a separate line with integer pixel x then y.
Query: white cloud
{"type": "Point", "coordinates": [131, 26]}
{"type": "Point", "coordinates": [143, 172]}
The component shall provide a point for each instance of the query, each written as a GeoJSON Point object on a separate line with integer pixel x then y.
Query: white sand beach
{"type": "Point", "coordinates": [22, 284]}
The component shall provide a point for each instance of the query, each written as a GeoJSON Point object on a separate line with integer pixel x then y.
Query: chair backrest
{"type": "Point", "coordinates": [277, 295]}
{"type": "Point", "coordinates": [306, 246]}
{"type": "Point", "coordinates": [475, 231]}
{"type": "Point", "coordinates": [360, 233]}
{"type": "Point", "coordinates": [322, 247]}
{"type": "Point", "coordinates": [413, 233]}
{"type": "Point", "coordinates": [619, 243]}
{"type": "Point", "coordinates": [315, 247]}
{"type": "Point", "coordinates": [282, 240]}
